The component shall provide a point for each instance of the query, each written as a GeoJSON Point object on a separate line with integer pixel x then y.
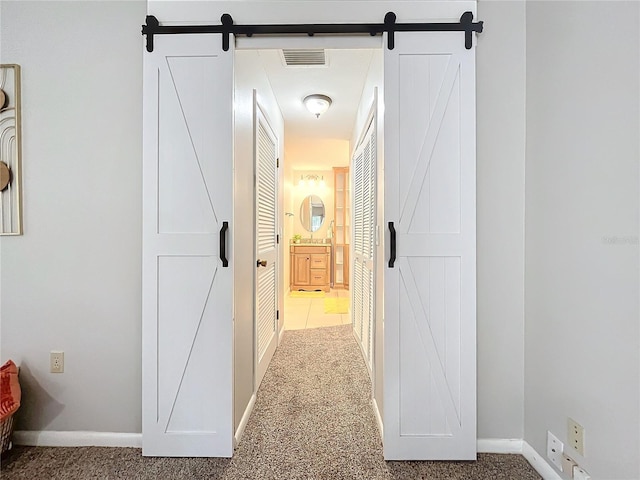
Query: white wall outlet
{"type": "Point", "coordinates": [580, 474]}
{"type": "Point", "coordinates": [567, 464]}
{"type": "Point", "coordinates": [554, 450]}
{"type": "Point", "coordinates": [576, 436]}
{"type": "Point", "coordinates": [57, 362]}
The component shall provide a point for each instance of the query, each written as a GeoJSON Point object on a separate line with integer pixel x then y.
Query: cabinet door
{"type": "Point", "coordinates": [301, 269]}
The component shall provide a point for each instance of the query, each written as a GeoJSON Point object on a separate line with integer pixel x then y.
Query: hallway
{"type": "Point", "coordinates": [310, 309]}
{"type": "Point", "coordinates": [312, 417]}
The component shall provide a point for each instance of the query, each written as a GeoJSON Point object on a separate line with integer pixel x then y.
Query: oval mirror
{"type": "Point", "coordinates": [312, 213]}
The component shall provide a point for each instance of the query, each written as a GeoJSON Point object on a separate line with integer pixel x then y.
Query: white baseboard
{"type": "Point", "coordinates": [244, 420]}
{"type": "Point", "coordinates": [538, 462]}
{"type": "Point", "coordinates": [499, 445]}
{"type": "Point", "coordinates": [50, 438]}
{"type": "Point", "coordinates": [376, 411]}
{"type": "Point", "coordinates": [517, 446]}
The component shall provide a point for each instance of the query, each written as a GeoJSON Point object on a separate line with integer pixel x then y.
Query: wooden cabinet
{"type": "Point", "coordinates": [301, 273]}
{"type": "Point", "coordinates": [342, 203]}
{"type": "Point", "coordinates": [310, 267]}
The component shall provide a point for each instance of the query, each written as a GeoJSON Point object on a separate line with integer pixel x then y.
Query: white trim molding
{"type": "Point", "coordinates": [376, 411]}
{"type": "Point", "coordinates": [50, 438]}
{"type": "Point", "coordinates": [500, 445]}
{"type": "Point", "coordinates": [538, 462]}
{"type": "Point", "coordinates": [244, 420]}
{"type": "Point", "coordinates": [519, 447]}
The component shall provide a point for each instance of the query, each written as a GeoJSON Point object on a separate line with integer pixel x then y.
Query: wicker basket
{"type": "Point", "coordinates": [10, 396]}
{"type": "Point", "coordinates": [6, 430]}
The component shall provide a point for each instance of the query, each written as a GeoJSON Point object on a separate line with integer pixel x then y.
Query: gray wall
{"type": "Point", "coordinates": [72, 282]}
{"type": "Point", "coordinates": [582, 329]}
{"type": "Point", "coordinates": [500, 61]}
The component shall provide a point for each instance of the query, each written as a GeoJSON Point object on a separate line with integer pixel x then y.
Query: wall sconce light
{"type": "Point", "coordinates": [317, 104]}
{"type": "Point", "coordinates": [311, 181]}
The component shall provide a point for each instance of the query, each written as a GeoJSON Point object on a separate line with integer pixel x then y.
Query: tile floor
{"type": "Point", "coordinates": [301, 313]}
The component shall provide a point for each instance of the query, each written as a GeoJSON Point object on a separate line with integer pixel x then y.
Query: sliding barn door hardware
{"type": "Point", "coordinates": [227, 27]}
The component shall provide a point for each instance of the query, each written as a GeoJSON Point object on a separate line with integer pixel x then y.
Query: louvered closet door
{"type": "Point", "coordinates": [187, 304]}
{"type": "Point", "coordinates": [266, 325]}
{"type": "Point", "coordinates": [430, 293]}
{"type": "Point", "coordinates": [364, 201]}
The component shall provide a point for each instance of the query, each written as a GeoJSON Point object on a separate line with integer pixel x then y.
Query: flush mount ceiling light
{"type": "Point", "coordinates": [317, 104]}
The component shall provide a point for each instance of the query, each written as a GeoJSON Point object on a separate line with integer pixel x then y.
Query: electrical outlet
{"type": "Point", "coordinates": [57, 362]}
{"type": "Point", "coordinates": [576, 436]}
{"type": "Point", "coordinates": [554, 450]}
{"type": "Point", "coordinates": [567, 464]}
{"type": "Point", "coordinates": [580, 474]}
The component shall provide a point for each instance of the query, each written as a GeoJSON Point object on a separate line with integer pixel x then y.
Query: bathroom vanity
{"type": "Point", "coordinates": [310, 267]}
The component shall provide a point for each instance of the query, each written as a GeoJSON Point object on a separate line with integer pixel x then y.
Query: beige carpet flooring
{"type": "Point", "coordinates": [312, 420]}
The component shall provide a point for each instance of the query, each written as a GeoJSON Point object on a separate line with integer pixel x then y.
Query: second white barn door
{"type": "Point", "coordinates": [429, 297]}
{"type": "Point", "coordinates": [266, 303]}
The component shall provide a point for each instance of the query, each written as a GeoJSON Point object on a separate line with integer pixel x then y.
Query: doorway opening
{"type": "Point", "coordinates": [199, 274]}
{"type": "Point", "coordinates": [320, 281]}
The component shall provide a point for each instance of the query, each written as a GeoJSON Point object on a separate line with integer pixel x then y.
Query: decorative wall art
{"type": "Point", "coordinates": [10, 151]}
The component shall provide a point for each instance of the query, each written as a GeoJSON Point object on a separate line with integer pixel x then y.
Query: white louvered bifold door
{"type": "Point", "coordinates": [266, 324]}
{"type": "Point", "coordinates": [187, 286]}
{"type": "Point", "coordinates": [430, 292]}
{"type": "Point", "coordinates": [364, 211]}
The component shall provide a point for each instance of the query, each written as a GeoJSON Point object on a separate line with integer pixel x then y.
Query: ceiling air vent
{"type": "Point", "coordinates": [304, 58]}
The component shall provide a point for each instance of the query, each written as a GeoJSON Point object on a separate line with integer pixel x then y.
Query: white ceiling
{"type": "Point", "coordinates": [342, 80]}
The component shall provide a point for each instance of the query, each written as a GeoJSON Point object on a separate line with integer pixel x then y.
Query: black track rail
{"type": "Point", "coordinates": [227, 28]}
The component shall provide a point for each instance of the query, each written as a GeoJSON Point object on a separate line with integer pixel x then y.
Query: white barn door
{"type": "Point", "coordinates": [187, 306]}
{"type": "Point", "coordinates": [266, 303]}
{"type": "Point", "coordinates": [430, 291]}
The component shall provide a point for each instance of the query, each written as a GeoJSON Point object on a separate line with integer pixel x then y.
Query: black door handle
{"type": "Point", "coordinates": [392, 257]}
{"type": "Point", "coordinates": [223, 244]}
